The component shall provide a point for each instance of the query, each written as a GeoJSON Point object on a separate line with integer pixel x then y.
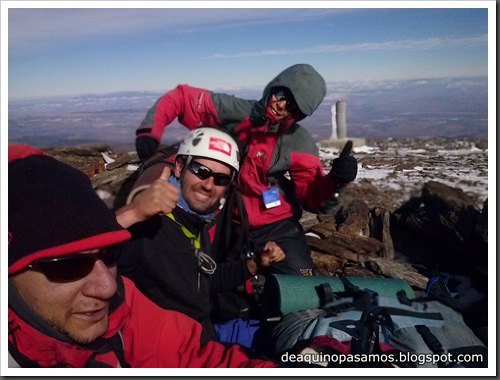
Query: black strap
{"type": "Point", "coordinates": [325, 293]}
{"type": "Point", "coordinates": [362, 299]}
{"type": "Point", "coordinates": [403, 297]}
{"type": "Point", "coordinates": [416, 314]}
{"type": "Point", "coordinates": [349, 286]}
{"type": "Point", "coordinates": [232, 239]}
{"type": "Point", "coordinates": [432, 342]}
{"type": "Point", "coordinates": [116, 344]}
{"type": "Point", "coordinates": [430, 339]}
{"type": "Point", "coordinates": [160, 156]}
{"type": "Point", "coordinates": [364, 302]}
{"type": "Point", "coordinates": [333, 310]}
{"type": "Point", "coordinates": [437, 348]}
{"type": "Point", "coordinates": [365, 331]}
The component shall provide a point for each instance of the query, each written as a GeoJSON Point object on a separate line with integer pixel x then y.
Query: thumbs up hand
{"type": "Point", "coordinates": [345, 167]}
{"type": "Point", "coordinates": [159, 197]}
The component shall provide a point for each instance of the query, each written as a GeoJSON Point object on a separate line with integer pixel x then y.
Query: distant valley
{"type": "Point", "coordinates": [444, 107]}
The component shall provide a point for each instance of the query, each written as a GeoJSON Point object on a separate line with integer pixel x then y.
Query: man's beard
{"type": "Point", "coordinates": [208, 210]}
{"type": "Point", "coordinates": [76, 338]}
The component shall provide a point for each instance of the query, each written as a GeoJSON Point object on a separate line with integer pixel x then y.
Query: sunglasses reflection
{"type": "Point", "coordinates": [75, 266]}
{"type": "Point", "coordinates": [202, 172]}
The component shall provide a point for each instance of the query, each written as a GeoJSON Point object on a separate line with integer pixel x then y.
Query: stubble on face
{"type": "Point", "coordinates": [78, 332]}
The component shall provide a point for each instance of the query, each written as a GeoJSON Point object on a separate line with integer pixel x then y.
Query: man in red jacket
{"type": "Point", "coordinates": [281, 172]}
{"type": "Point", "coordinates": [67, 307]}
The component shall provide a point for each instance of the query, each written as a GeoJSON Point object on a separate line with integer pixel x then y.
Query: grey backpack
{"type": "Point", "coordinates": [427, 331]}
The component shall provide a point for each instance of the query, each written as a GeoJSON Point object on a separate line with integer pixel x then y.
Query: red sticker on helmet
{"type": "Point", "coordinates": [219, 145]}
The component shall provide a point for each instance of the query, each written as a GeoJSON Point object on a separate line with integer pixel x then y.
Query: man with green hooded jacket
{"type": "Point", "coordinates": [281, 172]}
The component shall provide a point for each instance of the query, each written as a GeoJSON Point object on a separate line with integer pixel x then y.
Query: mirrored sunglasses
{"type": "Point", "coordinates": [281, 95]}
{"type": "Point", "coordinates": [73, 267]}
{"type": "Point", "coordinates": [202, 172]}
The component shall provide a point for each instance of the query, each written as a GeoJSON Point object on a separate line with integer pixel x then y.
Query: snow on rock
{"type": "Point", "coordinates": [400, 168]}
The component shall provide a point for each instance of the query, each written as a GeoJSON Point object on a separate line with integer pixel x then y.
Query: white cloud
{"type": "Point", "coordinates": [49, 24]}
{"type": "Point", "coordinates": [418, 44]}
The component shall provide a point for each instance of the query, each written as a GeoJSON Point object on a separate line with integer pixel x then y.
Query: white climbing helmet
{"type": "Point", "coordinates": [211, 143]}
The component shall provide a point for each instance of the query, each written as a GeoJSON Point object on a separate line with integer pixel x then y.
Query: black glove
{"type": "Point", "coordinates": [345, 168]}
{"type": "Point", "coordinates": [146, 147]}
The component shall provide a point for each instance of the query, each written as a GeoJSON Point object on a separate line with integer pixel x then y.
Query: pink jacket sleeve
{"type": "Point", "coordinates": [192, 106]}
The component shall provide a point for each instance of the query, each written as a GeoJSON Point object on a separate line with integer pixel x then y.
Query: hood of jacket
{"type": "Point", "coordinates": [305, 83]}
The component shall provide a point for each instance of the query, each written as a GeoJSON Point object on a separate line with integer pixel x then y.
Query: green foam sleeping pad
{"type": "Point", "coordinates": [285, 294]}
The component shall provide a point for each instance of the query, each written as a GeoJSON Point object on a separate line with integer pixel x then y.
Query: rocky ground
{"type": "Point", "coordinates": [392, 171]}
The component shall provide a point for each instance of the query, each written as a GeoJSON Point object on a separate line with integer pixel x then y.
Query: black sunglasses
{"type": "Point", "coordinates": [202, 172]}
{"type": "Point", "coordinates": [287, 97]}
{"type": "Point", "coordinates": [73, 267]}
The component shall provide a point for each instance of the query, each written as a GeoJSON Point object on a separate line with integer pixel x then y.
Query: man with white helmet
{"type": "Point", "coordinates": [201, 149]}
{"type": "Point", "coordinates": [170, 257]}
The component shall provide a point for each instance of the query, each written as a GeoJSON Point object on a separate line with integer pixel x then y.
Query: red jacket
{"type": "Point", "coordinates": [273, 150]}
{"type": "Point", "coordinates": [269, 157]}
{"type": "Point", "coordinates": [152, 337]}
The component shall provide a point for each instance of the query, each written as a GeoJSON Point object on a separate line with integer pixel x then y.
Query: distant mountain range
{"type": "Point", "coordinates": [443, 107]}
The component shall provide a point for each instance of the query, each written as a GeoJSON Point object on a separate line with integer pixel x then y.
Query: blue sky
{"type": "Point", "coordinates": [55, 51]}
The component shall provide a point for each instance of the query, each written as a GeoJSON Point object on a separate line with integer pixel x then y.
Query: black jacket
{"type": "Point", "coordinates": [162, 262]}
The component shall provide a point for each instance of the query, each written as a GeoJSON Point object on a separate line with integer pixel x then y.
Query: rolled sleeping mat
{"type": "Point", "coordinates": [285, 294]}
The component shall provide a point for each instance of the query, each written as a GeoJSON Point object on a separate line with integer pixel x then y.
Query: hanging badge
{"type": "Point", "coordinates": [271, 197]}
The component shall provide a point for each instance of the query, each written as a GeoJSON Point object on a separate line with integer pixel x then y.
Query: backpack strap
{"type": "Point", "coordinates": [362, 299]}
{"type": "Point", "coordinates": [365, 331]}
{"type": "Point", "coordinates": [325, 293]}
{"type": "Point", "coordinates": [161, 155]}
{"type": "Point", "coordinates": [416, 314]}
{"type": "Point", "coordinates": [349, 286]}
{"type": "Point", "coordinates": [437, 348]}
{"type": "Point", "coordinates": [430, 339]}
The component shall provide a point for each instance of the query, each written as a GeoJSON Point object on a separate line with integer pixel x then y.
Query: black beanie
{"type": "Point", "coordinates": [54, 211]}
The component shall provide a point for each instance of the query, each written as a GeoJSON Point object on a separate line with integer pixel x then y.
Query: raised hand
{"type": "Point", "coordinates": [160, 197]}
{"type": "Point", "coordinates": [345, 167]}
